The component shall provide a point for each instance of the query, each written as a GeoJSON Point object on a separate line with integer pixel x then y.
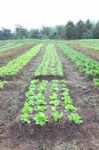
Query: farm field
{"type": "Point", "coordinates": [49, 95]}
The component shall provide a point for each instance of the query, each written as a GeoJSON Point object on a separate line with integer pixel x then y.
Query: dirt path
{"type": "Point", "coordinates": [88, 52]}
{"type": "Point", "coordinates": [10, 55]}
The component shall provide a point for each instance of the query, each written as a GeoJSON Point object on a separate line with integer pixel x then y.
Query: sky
{"type": "Point", "coordinates": [38, 13]}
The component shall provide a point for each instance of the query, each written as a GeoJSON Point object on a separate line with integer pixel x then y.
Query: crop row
{"type": "Point", "coordinates": [51, 64]}
{"type": "Point", "coordinates": [94, 54]}
{"type": "Point", "coordinates": [13, 53]}
{"type": "Point", "coordinates": [7, 46]}
{"type": "Point", "coordinates": [14, 66]}
{"type": "Point", "coordinates": [10, 46]}
{"type": "Point", "coordinates": [44, 95]}
{"type": "Point", "coordinates": [92, 44]}
{"type": "Point", "coordinates": [85, 64]}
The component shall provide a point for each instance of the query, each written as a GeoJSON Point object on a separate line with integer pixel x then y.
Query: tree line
{"type": "Point", "coordinates": [70, 31]}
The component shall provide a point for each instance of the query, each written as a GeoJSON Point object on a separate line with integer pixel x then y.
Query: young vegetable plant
{"type": "Point", "coordinates": [40, 119]}
{"type": "Point", "coordinates": [55, 102]}
{"type": "Point", "coordinates": [25, 118]}
{"type": "Point", "coordinates": [53, 108]}
{"type": "Point", "coordinates": [53, 97]}
{"type": "Point", "coordinates": [57, 115]}
{"type": "Point", "coordinates": [41, 108]}
{"type": "Point", "coordinates": [70, 108]}
{"type": "Point", "coordinates": [40, 99]}
{"type": "Point", "coordinates": [2, 84]}
{"type": "Point", "coordinates": [96, 82]}
{"type": "Point", "coordinates": [75, 118]}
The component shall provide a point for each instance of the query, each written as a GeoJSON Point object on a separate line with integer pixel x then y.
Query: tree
{"type": "Point", "coordinates": [45, 32]}
{"type": "Point", "coordinates": [70, 30]}
{"type": "Point", "coordinates": [88, 34]}
{"type": "Point", "coordinates": [21, 32]}
{"type": "Point", "coordinates": [80, 29]}
{"type": "Point", "coordinates": [88, 25]}
{"type": "Point", "coordinates": [34, 34]}
{"type": "Point", "coordinates": [5, 34]}
{"type": "Point", "coordinates": [60, 31]}
{"type": "Point", "coordinates": [53, 33]}
{"type": "Point", "coordinates": [96, 31]}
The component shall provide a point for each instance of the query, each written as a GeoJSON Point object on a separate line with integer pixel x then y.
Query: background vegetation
{"type": "Point", "coordinates": [79, 30]}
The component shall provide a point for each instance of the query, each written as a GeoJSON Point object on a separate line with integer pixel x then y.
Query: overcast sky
{"type": "Point", "coordinates": [36, 13]}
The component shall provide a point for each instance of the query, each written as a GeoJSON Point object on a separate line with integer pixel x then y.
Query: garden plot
{"type": "Point", "coordinates": [87, 65]}
{"type": "Point", "coordinates": [46, 112]}
{"type": "Point", "coordinates": [51, 64]}
{"type": "Point", "coordinates": [40, 106]}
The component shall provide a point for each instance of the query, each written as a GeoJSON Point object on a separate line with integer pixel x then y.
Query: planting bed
{"type": "Point", "coordinates": [50, 104]}
{"type": "Point", "coordinates": [16, 52]}
{"type": "Point", "coordinates": [91, 53]}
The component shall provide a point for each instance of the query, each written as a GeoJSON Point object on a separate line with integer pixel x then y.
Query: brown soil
{"type": "Point", "coordinates": [90, 53]}
{"type": "Point", "coordinates": [48, 77]}
{"type": "Point", "coordinates": [53, 136]}
{"type": "Point", "coordinates": [10, 55]}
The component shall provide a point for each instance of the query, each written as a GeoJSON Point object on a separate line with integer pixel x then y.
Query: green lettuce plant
{"type": "Point", "coordinates": [70, 108]}
{"type": "Point", "coordinates": [56, 115]}
{"type": "Point", "coordinates": [75, 118]}
{"type": "Point", "coordinates": [40, 119]}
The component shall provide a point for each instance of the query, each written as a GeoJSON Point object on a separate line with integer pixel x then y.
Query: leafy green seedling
{"type": "Point", "coordinates": [75, 118]}
{"type": "Point", "coordinates": [70, 108]}
{"type": "Point", "coordinates": [67, 100]}
{"type": "Point", "coordinates": [63, 82]}
{"type": "Point", "coordinates": [96, 82]}
{"type": "Point", "coordinates": [27, 108]}
{"type": "Point", "coordinates": [53, 108]}
{"type": "Point", "coordinates": [57, 115]}
{"type": "Point", "coordinates": [41, 108]}
{"type": "Point", "coordinates": [29, 93]}
{"type": "Point", "coordinates": [41, 102]}
{"type": "Point", "coordinates": [65, 93]}
{"type": "Point", "coordinates": [55, 102]}
{"type": "Point", "coordinates": [25, 118]}
{"type": "Point", "coordinates": [53, 97]}
{"type": "Point", "coordinates": [2, 84]}
{"type": "Point", "coordinates": [41, 119]}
